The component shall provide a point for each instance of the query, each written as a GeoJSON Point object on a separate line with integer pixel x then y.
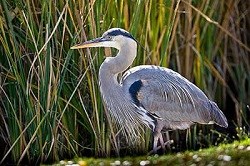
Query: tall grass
{"type": "Point", "coordinates": [50, 102]}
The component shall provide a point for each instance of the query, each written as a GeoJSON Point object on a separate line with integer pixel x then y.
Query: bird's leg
{"type": "Point", "coordinates": [168, 141]}
{"type": "Point", "coordinates": [162, 142]}
{"type": "Point", "coordinates": [157, 136]}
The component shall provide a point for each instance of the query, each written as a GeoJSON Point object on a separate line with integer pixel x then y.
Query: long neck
{"type": "Point", "coordinates": [112, 66]}
{"type": "Point", "coordinates": [121, 109]}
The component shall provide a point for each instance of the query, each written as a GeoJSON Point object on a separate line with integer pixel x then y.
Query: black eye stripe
{"type": "Point", "coordinates": [119, 32]}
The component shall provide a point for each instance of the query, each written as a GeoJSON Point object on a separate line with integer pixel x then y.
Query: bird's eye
{"type": "Point", "coordinates": [109, 37]}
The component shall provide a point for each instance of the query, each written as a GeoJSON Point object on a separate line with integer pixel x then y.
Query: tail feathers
{"type": "Point", "coordinates": [217, 115]}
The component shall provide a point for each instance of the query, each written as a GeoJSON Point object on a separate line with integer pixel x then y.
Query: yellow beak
{"type": "Point", "coordinates": [98, 42]}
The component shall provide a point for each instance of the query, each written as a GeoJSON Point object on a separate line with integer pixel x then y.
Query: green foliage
{"type": "Point", "coordinates": [236, 153]}
{"type": "Point", "coordinates": [50, 103]}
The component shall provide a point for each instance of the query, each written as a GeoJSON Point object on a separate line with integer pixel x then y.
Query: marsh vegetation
{"type": "Point", "coordinates": [50, 104]}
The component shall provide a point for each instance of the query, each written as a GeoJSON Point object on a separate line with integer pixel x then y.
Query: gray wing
{"type": "Point", "coordinates": [169, 96]}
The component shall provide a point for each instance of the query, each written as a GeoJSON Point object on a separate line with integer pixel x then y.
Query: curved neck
{"type": "Point", "coordinates": [121, 109]}
{"type": "Point", "coordinates": [112, 66]}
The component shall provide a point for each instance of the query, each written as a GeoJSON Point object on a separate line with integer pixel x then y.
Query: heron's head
{"type": "Point", "coordinates": [114, 37]}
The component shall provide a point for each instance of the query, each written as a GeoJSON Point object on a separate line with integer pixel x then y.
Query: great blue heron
{"type": "Point", "coordinates": [154, 96]}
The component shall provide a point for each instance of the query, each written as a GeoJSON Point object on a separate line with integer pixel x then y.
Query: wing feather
{"type": "Point", "coordinates": [170, 96]}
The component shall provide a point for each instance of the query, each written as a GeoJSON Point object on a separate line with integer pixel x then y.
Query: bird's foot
{"type": "Point", "coordinates": [162, 146]}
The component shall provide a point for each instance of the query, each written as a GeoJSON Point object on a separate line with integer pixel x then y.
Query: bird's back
{"type": "Point", "coordinates": [170, 97]}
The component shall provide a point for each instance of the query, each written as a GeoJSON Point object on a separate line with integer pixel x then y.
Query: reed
{"type": "Point", "coordinates": [50, 102]}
